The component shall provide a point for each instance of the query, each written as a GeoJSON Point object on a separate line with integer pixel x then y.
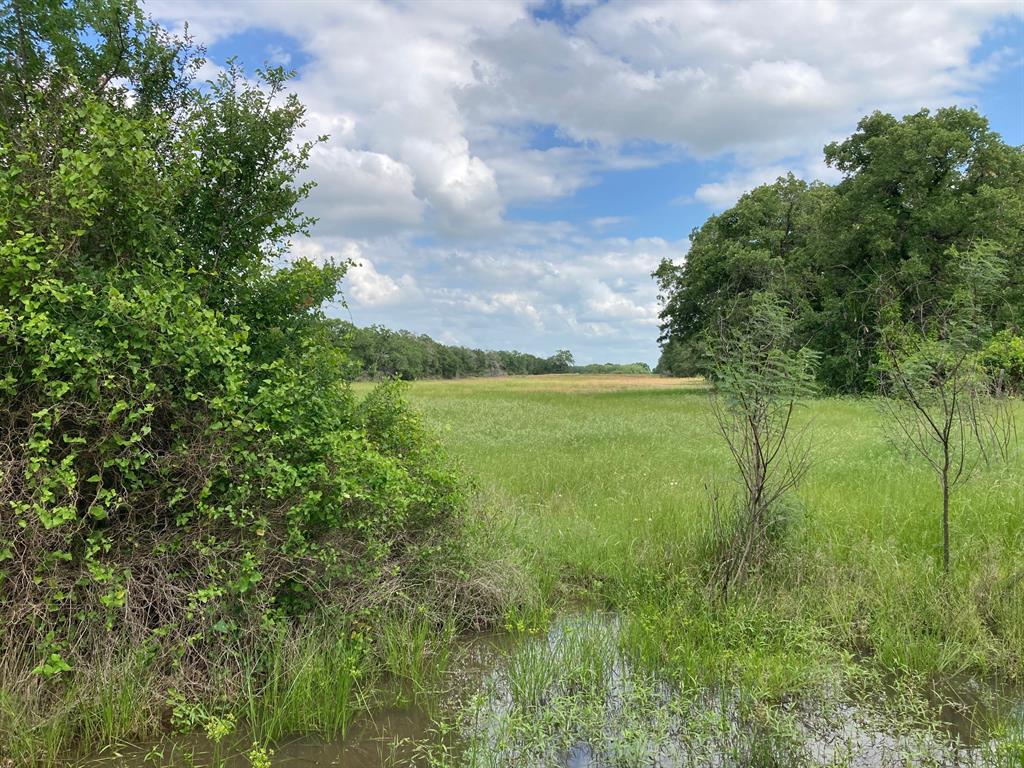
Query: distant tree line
{"type": "Point", "coordinates": [379, 352]}
{"type": "Point", "coordinates": [612, 368]}
{"type": "Point", "coordinates": [919, 199]}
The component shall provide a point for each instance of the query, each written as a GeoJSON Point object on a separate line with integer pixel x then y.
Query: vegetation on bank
{"type": "Point", "coordinates": [194, 507]}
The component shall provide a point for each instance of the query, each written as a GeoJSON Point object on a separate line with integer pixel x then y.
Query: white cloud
{"type": "Point", "coordinates": [278, 56]}
{"type": "Point", "coordinates": [372, 289]}
{"type": "Point", "coordinates": [386, 74]}
{"type": "Point", "coordinates": [443, 116]}
{"type": "Point", "coordinates": [360, 192]}
{"type": "Point", "coordinates": [719, 195]}
{"type": "Point", "coordinates": [601, 223]}
{"type": "Point", "coordinates": [606, 302]}
{"type": "Point", "coordinates": [759, 77]}
{"type": "Point", "coordinates": [429, 104]}
{"type": "Point", "coordinates": [594, 296]}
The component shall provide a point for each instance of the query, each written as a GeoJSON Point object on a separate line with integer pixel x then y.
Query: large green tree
{"type": "Point", "coordinates": [759, 244]}
{"type": "Point", "coordinates": [916, 193]}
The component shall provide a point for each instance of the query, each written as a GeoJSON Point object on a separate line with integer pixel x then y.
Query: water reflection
{"type": "Point", "coordinates": [571, 699]}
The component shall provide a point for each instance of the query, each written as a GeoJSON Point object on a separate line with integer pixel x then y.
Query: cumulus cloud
{"type": "Point", "coordinates": [445, 117]}
{"type": "Point", "coordinates": [386, 74]}
{"type": "Point", "coordinates": [362, 193]}
{"type": "Point", "coordinates": [592, 295]}
{"type": "Point", "coordinates": [719, 195]}
{"type": "Point", "coordinates": [430, 104]}
{"type": "Point", "coordinates": [372, 289]}
{"type": "Point", "coordinates": [756, 77]}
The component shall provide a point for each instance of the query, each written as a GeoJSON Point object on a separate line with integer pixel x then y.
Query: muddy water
{"type": "Point", "coordinates": [387, 737]}
{"type": "Point", "coordinates": [570, 699]}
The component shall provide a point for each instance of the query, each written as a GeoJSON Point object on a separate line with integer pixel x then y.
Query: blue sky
{"type": "Point", "coordinates": [508, 174]}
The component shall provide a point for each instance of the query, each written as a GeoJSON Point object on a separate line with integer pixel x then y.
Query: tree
{"type": "Point", "coordinates": [560, 362]}
{"type": "Point", "coordinates": [913, 188]}
{"type": "Point", "coordinates": [758, 244]}
{"type": "Point", "coordinates": [760, 372]}
{"type": "Point", "coordinates": [941, 403]}
{"type": "Point", "coordinates": [916, 192]}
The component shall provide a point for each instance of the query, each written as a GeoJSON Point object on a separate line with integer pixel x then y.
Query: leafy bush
{"type": "Point", "coordinates": [1003, 358]}
{"type": "Point", "coordinates": [181, 462]}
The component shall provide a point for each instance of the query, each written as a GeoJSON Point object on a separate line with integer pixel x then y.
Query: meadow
{"type": "Point", "coordinates": [600, 485]}
{"type": "Point", "coordinates": [591, 525]}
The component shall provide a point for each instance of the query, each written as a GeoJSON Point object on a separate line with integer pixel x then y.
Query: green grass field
{"type": "Point", "coordinates": [607, 476]}
{"type": "Point", "coordinates": [591, 525]}
{"type": "Point", "coordinates": [600, 486]}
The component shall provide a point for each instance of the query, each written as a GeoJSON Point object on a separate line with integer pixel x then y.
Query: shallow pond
{"type": "Point", "coordinates": [571, 699]}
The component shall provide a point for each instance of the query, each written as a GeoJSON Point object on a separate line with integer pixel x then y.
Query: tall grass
{"type": "Point", "coordinates": [416, 653]}
{"type": "Point", "coordinates": [306, 682]}
{"type": "Point", "coordinates": [312, 679]}
{"type": "Point", "coordinates": [610, 491]}
{"type": "Point", "coordinates": [43, 727]}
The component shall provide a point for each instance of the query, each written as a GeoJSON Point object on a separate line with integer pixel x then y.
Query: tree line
{"type": "Point", "coordinates": [920, 197]}
{"type": "Point", "coordinates": [378, 352]}
{"type": "Point", "coordinates": [375, 352]}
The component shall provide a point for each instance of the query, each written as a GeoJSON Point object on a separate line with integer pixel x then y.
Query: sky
{"type": "Point", "coordinates": [506, 175]}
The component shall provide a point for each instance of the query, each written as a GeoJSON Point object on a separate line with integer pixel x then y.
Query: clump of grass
{"type": "Point", "coordinates": [577, 656]}
{"type": "Point", "coordinates": [415, 652]}
{"type": "Point", "coordinates": [531, 675]}
{"type": "Point", "coordinates": [111, 700]}
{"type": "Point", "coordinates": [1006, 749]}
{"type": "Point", "coordinates": [306, 682]}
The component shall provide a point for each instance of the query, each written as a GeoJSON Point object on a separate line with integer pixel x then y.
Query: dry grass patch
{"type": "Point", "coordinates": [565, 382]}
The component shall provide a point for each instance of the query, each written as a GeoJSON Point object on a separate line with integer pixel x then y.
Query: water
{"type": "Point", "coordinates": [571, 699]}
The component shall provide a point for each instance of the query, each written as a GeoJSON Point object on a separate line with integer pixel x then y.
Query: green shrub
{"type": "Point", "coordinates": [182, 466]}
{"type": "Point", "coordinates": [1003, 358]}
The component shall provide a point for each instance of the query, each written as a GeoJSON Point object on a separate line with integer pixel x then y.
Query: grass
{"type": "Point", "coordinates": [416, 654]}
{"type": "Point", "coordinates": [311, 683]}
{"type": "Point", "coordinates": [593, 495]}
{"type": "Point", "coordinates": [97, 708]}
{"type": "Point", "coordinates": [608, 480]}
{"type": "Point", "coordinates": [315, 679]}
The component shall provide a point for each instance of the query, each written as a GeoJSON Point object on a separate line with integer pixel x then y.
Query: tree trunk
{"type": "Point", "coordinates": [945, 524]}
